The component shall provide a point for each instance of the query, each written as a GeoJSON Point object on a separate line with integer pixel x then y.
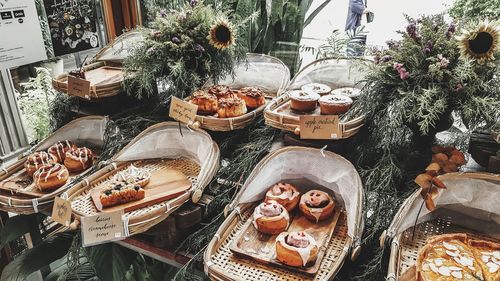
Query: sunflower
{"type": "Point", "coordinates": [479, 42]}
{"type": "Point", "coordinates": [222, 34]}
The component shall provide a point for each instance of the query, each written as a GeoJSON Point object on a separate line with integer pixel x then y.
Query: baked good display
{"type": "Point", "coordinates": [334, 104]}
{"type": "Point", "coordinates": [221, 91]}
{"type": "Point", "coordinates": [316, 205]}
{"type": "Point", "coordinates": [36, 160]}
{"type": "Point", "coordinates": [59, 149]}
{"type": "Point", "coordinates": [270, 218]}
{"type": "Point", "coordinates": [79, 159]}
{"type": "Point", "coordinates": [231, 107]}
{"type": "Point", "coordinates": [456, 257]}
{"type": "Point", "coordinates": [351, 92]}
{"type": "Point", "coordinates": [51, 176]}
{"type": "Point", "coordinates": [296, 248]}
{"type": "Point", "coordinates": [253, 97]}
{"type": "Point", "coordinates": [132, 175]}
{"type": "Point", "coordinates": [119, 193]}
{"type": "Point", "coordinates": [207, 103]}
{"type": "Point", "coordinates": [318, 88]}
{"type": "Point", "coordinates": [284, 194]}
{"type": "Point", "coordinates": [303, 101]}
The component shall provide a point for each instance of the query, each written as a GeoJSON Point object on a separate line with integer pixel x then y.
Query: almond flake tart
{"type": "Point", "coordinates": [457, 257]}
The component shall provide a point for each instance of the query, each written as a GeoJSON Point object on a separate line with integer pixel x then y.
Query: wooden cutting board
{"type": "Point", "coordinates": [261, 247]}
{"type": "Point", "coordinates": [165, 183]}
{"type": "Point", "coordinates": [409, 275]}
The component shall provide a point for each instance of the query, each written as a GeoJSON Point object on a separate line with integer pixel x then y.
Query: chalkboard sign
{"type": "Point", "coordinates": [72, 25]}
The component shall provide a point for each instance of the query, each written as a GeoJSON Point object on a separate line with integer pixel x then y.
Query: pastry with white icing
{"type": "Point", "coordinates": [296, 249]}
{"type": "Point", "coordinates": [316, 205]}
{"type": "Point", "coordinates": [132, 175]}
{"type": "Point", "coordinates": [51, 177]}
{"type": "Point", "coordinates": [270, 218]}
{"type": "Point", "coordinates": [285, 194]}
{"type": "Point", "coordinates": [79, 159]}
{"type": "Point", "coordinates": [37, 160]}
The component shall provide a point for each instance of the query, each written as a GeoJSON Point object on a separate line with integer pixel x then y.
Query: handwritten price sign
{"type": "Point", "coordinates": [319, 127]}
{"type": "Point", "coordinates": [182, 111]}
{"type": "Point", "coordinates": [101, 228]}
{"type": "Point", "coordinates": [78, 87]}
{"type": "Point", "coordinates": [61, 212]}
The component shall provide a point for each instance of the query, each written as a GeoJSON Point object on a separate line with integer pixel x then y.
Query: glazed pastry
{"type": "Point", "coordinates": [221, 91]}
{"type": "Point", "coordinates": [253, 97]}
{"type": "Point", "coordinates": [351, 92]}
{"type": "Point", "coordinates": [296, 249]}
{"type": "Point", "coordinates": [79, 159]}
{"type": "Point", "coordinates": [50, 177]}
{"type": "Point", "coordinates": [303, 101]}
{"type": "Point", "coordinates": [231, 107]}
{"type": "Point", "coordinates": [448, 257]}
{"type": "Point", "coordinates": [318, 88]}
{"type": "Point", "coordinates": [132, 175]}
{"type": "Point", "coordinates": [207, 103]}
{"type": "Point", "coordinates": [316, 205]}
{"type": "Point", "coordinates": [487, 254]}
{"type": "Point", "coordinates": [285, 194]}
{"type": "Point", "coordinates": [270, 218]}
{"type": "Point", "coordinates": [59, 149]}
{"type": "Point", "coordinates": [117, 194]}
{"type": "Point", "coordinates": [36, 160]}
{"type": "Point", "coordinates": [334, 104]}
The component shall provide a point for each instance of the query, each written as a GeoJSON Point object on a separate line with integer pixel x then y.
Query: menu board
{"type": "Point", "coordinates": [21, 40]}
{"type": "Point", "coordinates": [73, 25]}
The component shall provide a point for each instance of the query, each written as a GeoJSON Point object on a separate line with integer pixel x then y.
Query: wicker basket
{"type": "Point", "coordinates": [222, 264]}
{"type": "Point", "coordinates": [193, 153]}
{"type": "Point", "coordinates": [333, 72]}
{"type": "Point", "coordinates": [263, 71]}
{"type": "Point", "coordinates": [21, 203]}
{"type": "Point", "coordinates": [406, 243]}
{"type": "Point", "coordinates": [105, 69]}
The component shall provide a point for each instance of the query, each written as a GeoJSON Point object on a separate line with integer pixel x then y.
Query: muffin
{"type": "Point", "coordinates": [318, 88]}
{"type": "Point", "coordinates": [351, 92]}
{"type": "Point", "coordinates": [334, 104]}
{"type": "Point", "coordinates": [303, 101]}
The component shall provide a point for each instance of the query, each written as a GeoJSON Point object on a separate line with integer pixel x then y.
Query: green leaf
{"type": "Point", "coordinates": [48, 251]}
{"type": "Point", "coordinates": [314, 13]}
{"type": "Point", "coordinates": [17, 226]}
{"type": "Point", "coordinates": [111, 261]}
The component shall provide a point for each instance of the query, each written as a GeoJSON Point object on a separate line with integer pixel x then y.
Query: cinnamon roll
{"type": "Point", "coordinates": [221, 91]}
{"type": "Point", "coordinates": [79, 159]}
{"type": "Point", "coordinates": [36, 160]}
{"type": "Point", "coordinates": [253, 97]}
{"type": "Point", "coordinates": [316, 205]}
{"type": "Point", "coordinates": [296, 249]}
{"type": "Point", "coordinates": [270, 218]}
{"type": "Point", "coordinates": [50, 177]}
{"type": "Point", "coordinates": [231, 107]}
{"type": "Point", "coordinates": [59, 149]}
{"type": "Point", "coordinates": [207, 103]}
{"type": "Point", "coordinates": [285, 194]}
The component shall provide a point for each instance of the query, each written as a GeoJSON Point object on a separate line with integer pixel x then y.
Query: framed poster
{"type": "Point", "coordinates": [73, 25]}
{"type": "Point", "coordinates": [21, 40]}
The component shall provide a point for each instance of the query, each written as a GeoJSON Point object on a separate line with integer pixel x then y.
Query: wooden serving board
{"type": "Point", "coordinates": [165, 183]}
{"type": "Point", "coordinates": [409, 275]}
{"type": "Point", "coordinates": [261, 247]}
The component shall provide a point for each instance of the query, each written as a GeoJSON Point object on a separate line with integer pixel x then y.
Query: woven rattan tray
{"type": "Point", "coordinates": [222, 264]}
{"type": "Point", "coordinates": [30, 200]}
{"type": "Point", "coordinates": [406, 245]}
{"type": "Point", "coordinates": [258, 70]}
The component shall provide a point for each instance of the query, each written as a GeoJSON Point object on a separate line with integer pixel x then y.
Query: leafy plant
{"type": "Point", "coordinates": [475, 9]}
{"type": "Point", "coordinates": [337, 44]}
{"type": "Point", "coordinates": [34, 102]}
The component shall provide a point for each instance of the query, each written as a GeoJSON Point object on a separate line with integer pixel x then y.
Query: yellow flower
{"type": "Point", "coordinates": [479, 42]}
{"type": "Point", "coordinates": [222, 34]}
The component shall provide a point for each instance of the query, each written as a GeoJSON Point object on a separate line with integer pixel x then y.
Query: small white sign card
{"type": "Point", "coordinates": [102, 228]}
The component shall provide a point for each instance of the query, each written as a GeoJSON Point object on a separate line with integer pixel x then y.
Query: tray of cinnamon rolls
{"type": "Point", "coordinates": [30, 184]}
{"type": "Point", "coordinates": [298, 216]}
{"type": "Point", "coordinates": [235, 101]}
{"type": "Point", "coordinates": [324, 87]}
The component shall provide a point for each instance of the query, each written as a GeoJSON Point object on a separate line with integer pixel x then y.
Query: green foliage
{"type": "Point", "coordinates": [17, 226]}
{"type": "Point", "coordinates": [34, 102]}
{"type": "Point", "coordinates": [176, 52]}
{"type": "Point", "coordinates": [110, 261]}
{"type": "Point", "coordinates": [50, 250]}
{"type": "Point", "coordinates": [475, 9]}
{"type": "Point", "coordinates": [337, 44]}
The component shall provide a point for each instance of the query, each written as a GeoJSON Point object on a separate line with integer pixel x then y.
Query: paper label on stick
{"type": "Point", "coordinates": [320, 127]}
{"type": "Point", "coordinates": [182, 111]}
{"type": "Point", "coordinates": [61, 211]}
{"type": "Point", "coordinates": [102, 228]}
{"type": "Point", "coordinates": [78, 87]}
